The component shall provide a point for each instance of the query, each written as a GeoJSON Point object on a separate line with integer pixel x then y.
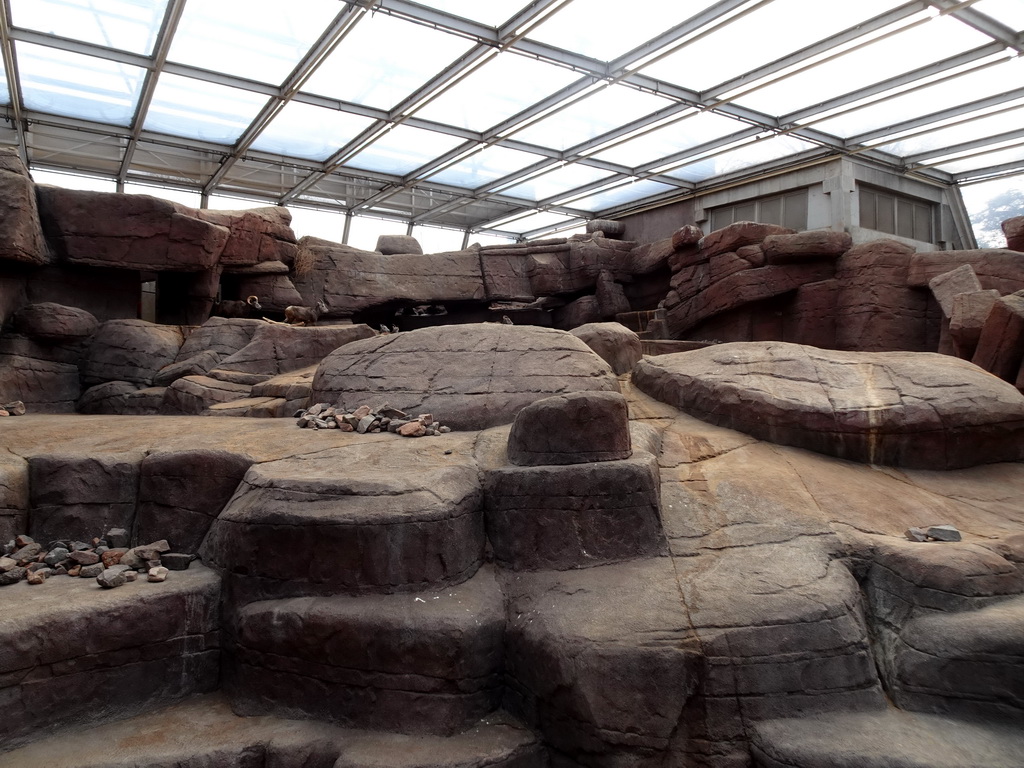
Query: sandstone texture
{"type": "Point", "coordinates": [130, 350]}
{"type": "Point", "coordinates": [926, 411]}
{"type": "Point", "coordinates": [578, 428]}
{"type": "Point", "coordinates": [20, 230]}
{"type": "Point", "coordinates": [471, 376]}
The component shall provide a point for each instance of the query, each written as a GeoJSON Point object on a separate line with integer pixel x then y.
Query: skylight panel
{"type": "Point", "coordinates": [493, 13]}
{"type": "Point", "coordinates": [927, 43]}
{"type": "Point", "coordinates": [985, 160]}
{"type": "Point", "coordinates": [196, 109]}
{"type": "Point", "coordinates": [304, 130]}
{"type": "Point", "coordinates": [485, 166]}
{"type": "Point", "coordinates": [5, 92]}
{"type": "Point", "coordinates": [75, 85]}
{"type": "Point", "coordinates": [754, 39]}
{"type": "Point", "coordinates": [365, 69]}
{"type": "Point", "coordinates": [403, 149]}
{"type": "Point", "coordinates": [126, 25]}
{"type": "Point", "coordinates": [497, 90]}
{"type": "Point", "coordinates": [934, 98]}
{"type": "Point", "coordinates": [754, 153]}
{"type": "Point", "coordinates": [555, 182]}
{"type": "Point", "coordinates": [966, 131]}
{"type": "Point", "coordinates": [603, 29]}
{"type": "Point", "coordinates": [673, 138]}
{"type": "Point", "coordinates": [255, 39]}
{"type": "Point", "coordinates": [532, 221]}
{"type": "Point", "coordinates": [590, 117]}
{"type": "Point", "coordinates": [1008, 12]}
{"type": "Point", "coordinates": [626, 192]}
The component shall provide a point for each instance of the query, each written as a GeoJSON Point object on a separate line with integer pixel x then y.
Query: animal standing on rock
{"type": "Point", "coordinates": [237, 308]}
{"type": "Point", "coordinates": [304, 315]}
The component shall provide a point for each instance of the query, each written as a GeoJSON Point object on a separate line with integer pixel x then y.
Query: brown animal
{"type": "Point", "coordinates": [304, 315]}
{"type": "Point", "coordinates": [232, 308]}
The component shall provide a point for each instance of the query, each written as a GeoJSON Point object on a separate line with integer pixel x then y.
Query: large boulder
{"type": "Point", "coordinates": [1000, 347]}
{"type": "Point", "coordinates": [21, 236]}
{"type": "Point", "coordinates": [577, 428]}
{"type": "Point", "coordinates": [44, 386]}
{"type": "Point", "coordinates": [349, 280]}
{"type": "Point", "coordinates": [276, 349]}
{"type": "Point", "coordinates": [877, 310]}
{"type": "Point", "coordinates": [257, 235]}
{"type": "Point", "coordinates": [139, 232]}
{"type": "Point", "coordinates": [909, 409]}
{"type": "Point", "coordinates": [468, 376]}
{"type": "Point", "coordinates": [997, 268]}
{"type": "Point", "coordinates": [130, 350]}
{"type": "Point", "coordinates": [615, 343]}
{"type": "Point", "coordinates": [221, 335]}
{"type": "Point", "coordinates": [48, 321]}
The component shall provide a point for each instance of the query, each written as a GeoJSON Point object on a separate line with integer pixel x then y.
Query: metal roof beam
{"type": "Point", "coordinates": [881, 87]}
{"type": "Point", "coordinates": [981, 22]}
{"type": "Point", "coordinates": [13, 82]}
{"type": "Point", "coordinates": [170, 24]}
{"type": "Point", "coordinates": [966, 146]}
{"type": "Point", "coordinates": [343, 23]}
{"type": "Point", "coordinates": [934, 117]}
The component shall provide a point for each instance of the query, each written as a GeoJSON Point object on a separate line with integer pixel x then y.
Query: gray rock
{"type": "Point", "coordinates": [117, 537]}
{"type": "Point", "coordinates": [157, 574]}
{"type": "Point", "coordinates": [944, 533]}
{"type": "Point", "coordinates": [176, 561]}
{"type": "Point", "coordinates": [12, 576]}
{"type": "Point", "coordinates": [111, 577]}
{"type": "Point", "coordinates": [56, 555]}
{"type": "Point", "coordinates": [916, 534]}
{"type": "Point", "coordinates": [91, 571]}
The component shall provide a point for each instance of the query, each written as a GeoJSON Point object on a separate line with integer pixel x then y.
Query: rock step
{"type": "Point", "coordinates": [72, 652]}
{"type": "Point", "coordinates": [366, 518]}
{"type": "Point", "coordinates": [202, 732]}
{"type": "Point", "coordinates": [887, 739]}
{"type": "Point", "coordinates": [968, 662]}
{"type": "Point", "coordinates": [429, 662]}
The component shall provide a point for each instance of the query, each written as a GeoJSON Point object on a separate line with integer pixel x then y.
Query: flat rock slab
{"type": "Point", "coordinates": [468, 376]}
{"type": "Point", "coordinates": [386, 514]}
{"type": "Point", "coordinates": [116, 649]}
{"type": "Point", "coordinates": [203, 731]}
{"type": "Point", "coordinates": [427, 662]}
{"type": "Point", "coordinates": [889, 739]}
{"type": "Point", "coordinates": [916, 410]}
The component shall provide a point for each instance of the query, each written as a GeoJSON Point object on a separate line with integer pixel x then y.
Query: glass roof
{"type": "Point", "coordinates": [510, 117]}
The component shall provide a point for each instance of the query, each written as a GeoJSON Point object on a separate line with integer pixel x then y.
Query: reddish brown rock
{"type": "Point", "coordinates": [724, 264]}
{"type": "Point", "coordinates": [811, 317]}
{"type": "Point", "coordinates": [21, 235]}
{"type": "Point", "coordinates": [139, 232]}
{"type": "Point", "coordinates": [349, 279]}
{"type": "Point", "coordinates": [194, 394]}
{"type": "Point", "coordinates": [300, 527]}
{"type": "Point", "coordinates": [256, 235]}
{"type": "Point", "coordinates": [74, 496]}
{"type": "Point", "coordinates": [947, 286]}
{"type": "Point", "coordinates": [908, 409]}
{"type": "Point", "coordinates": [310, 656]}
{"type": "Point", "coordinates": [505, 273]}
{"type": "Point", "coordinates": [615, 343]}
{"type": "Point", "coordinates": [220, 335]}
{"type": "Point", "coordinates": [611, 299]}
{"type": "Point", "coordinates": [181, 492]}
{"type": "Point", "coordinates": [469, 376]}
{"type": "Point", "coordinates": [686, 236]}
{"type": "Point", "coordinates": [55, 322]}
{"type": "Point", "coordinates": [130, 350]}
{"type": "Point", "coordinates": [737, 235]}
{"type": "Point", "coordinates": [876, 309]}
{"type": "Point", "coordinates": [276, 349]}
{"type": "Point", "coordinates": [14, 497]}
{"type": "Point", "coordinates": [276, 292]}
{"type": "Point", "coordinates": [579, 428]}
{"type": "Point", "coordinates": [742, 288]}
{"type": "Point", "coordinates": [576, 264]}
{"type": "Point", "coordinates": [389, 245]}
{"type": "Point", "coordinates": [996, 268]}
{"type": "Point", "coordinates": [121, 397]}
{"type": "Point", "coordinates": [44, 386]}
{"type": "Point", "coordinates": [583, 311]}
{"type": "Point", "coordinates": [810, 245]}
{"type": "Point", "coordinates": [1014, 231]}
{"type": "Point", "coordinates": [1000, 349]}
{"type": "Point", "coordinates": [970, 310]}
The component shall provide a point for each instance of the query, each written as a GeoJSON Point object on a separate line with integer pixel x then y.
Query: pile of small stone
{"type": "Point", "coordinates": [367, 420]}
{"type": "Point", "coordinates": [934, 533]}
{"type": "Point", "coordinates": [109, 560]}
{"type": "Point", "coordinates": [17, 408]}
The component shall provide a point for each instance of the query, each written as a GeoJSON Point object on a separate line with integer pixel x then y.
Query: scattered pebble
{"type": "Point", "coordinates": [368, 420]}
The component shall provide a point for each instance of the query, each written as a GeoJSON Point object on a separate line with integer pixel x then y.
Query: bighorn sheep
{"type": "Point", "coordinates": [304, 315]}
{"type": "Point", "coordinates": [232, 308]}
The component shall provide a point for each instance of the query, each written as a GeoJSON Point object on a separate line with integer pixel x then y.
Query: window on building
{"type": "Point", "coordinates": [787, 210]}
{"type": "Point", "coordinates": [885, 211]}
